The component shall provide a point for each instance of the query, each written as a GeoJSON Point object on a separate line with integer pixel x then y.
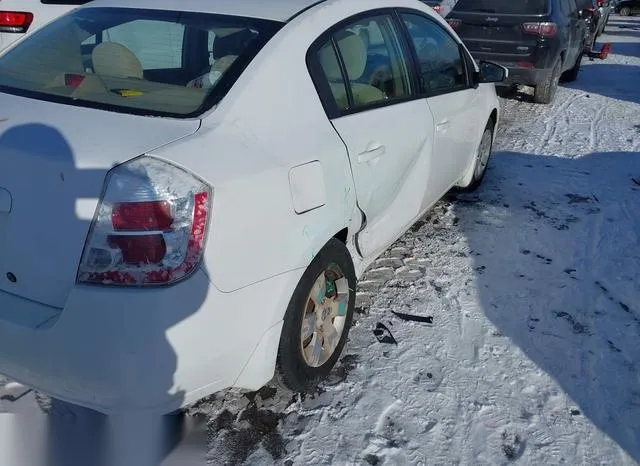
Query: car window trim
{"type": "Point", "coordinates": [423, 91]}
{"type": "Point", "coordinates": [321, 83]}
{"type": "Point", "coordinates": [470, 65]}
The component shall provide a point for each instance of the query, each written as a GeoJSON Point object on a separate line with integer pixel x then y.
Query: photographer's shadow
{"type": "Point", "coordinates": [557, 274]}
{"type": "Point", "coordinates": [42, 157]}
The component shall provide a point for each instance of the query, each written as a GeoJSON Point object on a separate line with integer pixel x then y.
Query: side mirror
{"type": "Point", "coordinates": [491, 72]}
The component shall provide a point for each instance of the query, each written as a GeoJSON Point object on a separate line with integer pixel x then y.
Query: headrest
{"type": "Point", "coordinates": [113, 59]}
{"type": "Point", "coordinates": [354, 54]}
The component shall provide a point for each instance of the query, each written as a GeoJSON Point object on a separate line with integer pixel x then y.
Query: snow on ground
{"type": "Point", "coordinates": [533, 286]}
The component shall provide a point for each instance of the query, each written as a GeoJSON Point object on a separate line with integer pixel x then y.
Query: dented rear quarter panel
{"type": "Point", "coordinates": [271, 121]}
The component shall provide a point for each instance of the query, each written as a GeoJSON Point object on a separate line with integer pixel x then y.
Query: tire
{"type": "Point", "coordinates": [625, 11]}
{"type": "Point", "coordinates": [483, 154]}
{"type": "Point", "coordinates": [297, 368]}
{"type": "Point", "coordinates": [572, 74]}
{"type": "Point", "coordinates": [546, 91]}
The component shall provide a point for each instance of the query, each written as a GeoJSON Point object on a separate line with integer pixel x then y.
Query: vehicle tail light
{"type": "Point", "coordinates": [524, 64]}
{"type": "Point", "coordinates": [540, 29]}
{"type": "Point", "coordinates": [15, 21]}
{"type": "Point", "coordinates": [454, 23]}
{"type": "Point", "coordinates": [149, 228]}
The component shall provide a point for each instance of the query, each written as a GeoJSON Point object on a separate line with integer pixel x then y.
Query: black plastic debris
{"type": "Point", "coordinates": [384, 335]}
{"type": "Point", "coordinates": [413, 318]}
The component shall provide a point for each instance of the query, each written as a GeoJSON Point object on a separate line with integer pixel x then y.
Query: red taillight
{"type": "Point", "coordinates": [15, 21]}
{"type": "Point", "coordinates": [525, 65]}
{"type": "Point", "coordinates": [454, 23]}
{"type": "Point", "coordinates": [73, 80]}
{"type": "Point", "coordinates": [141, 216]}
{"type": "Point", "coordinates": [540, 29]}
{"type": "Point", "coordinates": [138, 217]}
{"type": "Point", "coordinates": [601, 3]}
{"type": "Point", "coordinates": [137, 250]}
{"type": "Point", "coordinates": [150, 226]}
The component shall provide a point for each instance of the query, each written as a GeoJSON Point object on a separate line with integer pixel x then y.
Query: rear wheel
{"type": "Point", "coordinates": [625, 11]}
{"type": "Point", "coordinates": [318, 319]}
{"type": "Point", "coordinates": [572, 74]}
{"type": "Point", "coordinates": [545, 92]}
{"type": "Point", "coordinates": [482, 158]}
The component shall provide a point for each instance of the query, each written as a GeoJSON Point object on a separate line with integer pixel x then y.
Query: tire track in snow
{"type": "Point", "coordinates": [551, 124]}
{"type": "Point", "coordinates": [595, 126]}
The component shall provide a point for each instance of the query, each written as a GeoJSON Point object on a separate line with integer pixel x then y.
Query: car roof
{"type": "Point", "coordinates": [276, 10]}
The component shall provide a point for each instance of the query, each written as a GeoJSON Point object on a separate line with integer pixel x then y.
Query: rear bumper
{"type": "Point", "coordinates": [115, 350]}
{"type": "Point", "coordinates": [518, 74]}
{"type": "Point", "coordinates": [526, 77]}
{"type": "Point", "coordinates": [523, 76]}
{"type": "Point", "coordinates": [6, 39]}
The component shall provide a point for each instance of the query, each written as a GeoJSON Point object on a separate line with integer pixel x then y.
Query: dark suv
{"type": "Point", "coordinates": [628, 7]}
{"type": "Point", "coordinates": [539, 41]}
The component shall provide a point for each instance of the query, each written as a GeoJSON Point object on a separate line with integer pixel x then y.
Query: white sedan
{"type": "Point", "coordinates": [189, 190]}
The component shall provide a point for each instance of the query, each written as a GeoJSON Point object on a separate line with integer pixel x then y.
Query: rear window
{"type": "Point", "coordinates": [151, 62]}
{"type": "Point", "coordinates": [505, 7]}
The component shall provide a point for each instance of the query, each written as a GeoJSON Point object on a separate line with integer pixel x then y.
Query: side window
{"type": "Point", "coordinates": [157, 44]}
{"type": "Point", "coordinates": [375, 68]}
{"type": "Point", "coordinates": [333, 74]}
{"type": "Point", "coordinates": [211, 36]}
{"type": "Point", "coordinates": [442, 68]}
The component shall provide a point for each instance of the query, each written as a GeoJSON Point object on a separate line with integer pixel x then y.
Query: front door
{"type": "Point", "coordinates": [451, 98]}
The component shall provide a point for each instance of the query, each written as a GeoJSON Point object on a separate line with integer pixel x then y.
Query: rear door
{"type": "Point", "coordinates": [364, 75]}
{"type": "Point", "coordinates": [445, 81]}
{"type": "Point", "coordinates": [496, 27]}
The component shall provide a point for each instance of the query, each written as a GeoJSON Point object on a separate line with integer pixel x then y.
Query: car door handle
{"type": "Point", "coordinates": [443, 125]}
{"type": "Point", "coordinates": [373, 151]}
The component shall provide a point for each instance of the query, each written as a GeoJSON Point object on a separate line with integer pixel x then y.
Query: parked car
{"type": "Point", "coordinates": [539, 41]}
{"type": "Point", "coordinates": [435, 4]}
{"type": "Point", "coordinates": [628, 7]}
{"type": "Point", "coordinates": [605, 7]}
{"type": "Point", "coordinates": [592, 16]}
{"type": "Point", "coordinates": [190, 190]}
{"type": "Point", "coordinates": [21, 17]}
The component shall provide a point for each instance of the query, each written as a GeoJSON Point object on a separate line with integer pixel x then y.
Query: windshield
{"type": "Point", "coordinates": [150, 62]}
{"type": "Point", "coordinates": [505, 7]}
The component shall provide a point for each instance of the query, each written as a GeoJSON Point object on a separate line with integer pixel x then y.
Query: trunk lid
{"type": "Point", "coordinates": [495, 26]}
{"type": "Point", "coordinates": [53, 161]}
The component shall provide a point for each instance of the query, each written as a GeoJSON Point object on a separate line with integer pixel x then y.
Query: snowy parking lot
{"type": "Point", "coordinates": [528, 352]}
